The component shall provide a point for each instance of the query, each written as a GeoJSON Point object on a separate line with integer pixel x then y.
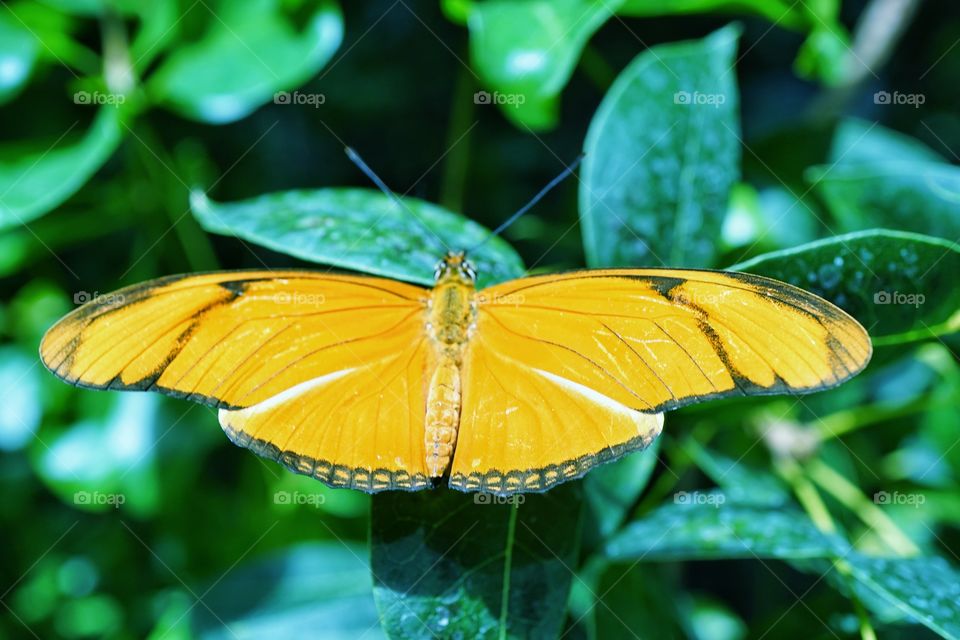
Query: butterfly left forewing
{"type": "Point", "coordinates": [298, 347]}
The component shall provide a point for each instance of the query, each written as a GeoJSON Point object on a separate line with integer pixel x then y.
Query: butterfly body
{"type": "Point", "coordinates": [452, 316]}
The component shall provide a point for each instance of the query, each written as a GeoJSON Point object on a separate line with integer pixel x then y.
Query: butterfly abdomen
{"type": "Point", "coordinates": [451, 315]}
{"type": "Point", "coordinates": [443, 415]}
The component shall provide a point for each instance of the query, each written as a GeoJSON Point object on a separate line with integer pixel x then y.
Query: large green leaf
{"type": "Point", "coordinates": [249, 52]}
{"type": "Point", "coordinates": [452, 565]}
{"type": "Point", "coordinates": [33, 183]}
{"type": "Point", "coordinates": [324, 587]}
{"type": "Point", "coordinates": [360, 229]}
{"type": "Point", "coordinates": [697, 530]}
{"type": "Point", "coordinates": [662, 153]}
{"type": "Point", "coordinates": [898, 285]}
{"type": "Point", "coordinates": [898, 194]}
{"type": "Point", "coordinates": [924, 589]}
{"type": "Point", "coordinates": [859, 141]}
{"type": "Point", "coordinates": [18, 53]}
{"type": "Point", "coordinates": [525, 51]}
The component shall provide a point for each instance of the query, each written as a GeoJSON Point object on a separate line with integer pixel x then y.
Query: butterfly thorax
{"type": "Point", "coordinates": [452, 309]}
{"type": "Point", "coordinates": [451, 318]}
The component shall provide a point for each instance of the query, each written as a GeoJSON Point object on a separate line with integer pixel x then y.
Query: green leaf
{"type": "Point", "coordinates": [359, 229]}
{"type": "Point", "coordinates": [777, 11]}
{"type": "Point", "coordinates": [525, 51]}
{"type": "Point", "coordinates": [912, 196]}
{"type": "Point", "coordinates": [740, 483]}
{"type": "Point", "coordinates": [322, 586]}
{"type": "Point", "coordinates": [18, 54]}
{"type": "Point", "coordinates": [21, 406]}
{"type": "Point", "coordinates": [32, 184]}
{"type": "Point", "coordinates": [611, 490]}
{"type": "Point", "coordinates": [925, 589]}
{"type": "Point", "coordinates": [109, 463]}
{"type": "Point", "coordinates": [158, 28]}
{"type": "Point", "coordinates": [696, 530]}
{"type": "Point", "coordinates": [459, 565]}
{"type": "Point", "coordinates": [662, 153]}
{"type": "Point", "coordinates": [249, 53]}
{"type": "Point", "coordinates": [897, 284]}
{"type": "Point", "coordinates": [859, 141]}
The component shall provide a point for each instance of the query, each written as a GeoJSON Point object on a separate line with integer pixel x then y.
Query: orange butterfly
{"type": "Point", "coordinates": [375, 384]}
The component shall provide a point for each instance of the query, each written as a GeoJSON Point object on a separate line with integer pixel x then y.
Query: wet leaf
{"type": "Point", "coordinates": [359, 229]}
{"type": "Point", "coordinates": [662, 153]}
{"type": "Point", "coordinates": [898, 194]}
{"type": "Point", "coordinates": [452, 564]}
{"type": "Point", "coordinates": [896, 284]}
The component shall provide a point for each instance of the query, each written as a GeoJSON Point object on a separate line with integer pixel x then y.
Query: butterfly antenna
{"type": "Point", "coordinates": [363, 166]}
{"type": "Point", "coordinates": [537, 198]}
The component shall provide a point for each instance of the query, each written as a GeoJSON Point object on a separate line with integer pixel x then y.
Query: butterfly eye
{"type": "Point", "coordinates": [469, 270]}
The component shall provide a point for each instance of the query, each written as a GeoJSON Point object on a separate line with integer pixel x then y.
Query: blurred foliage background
{"type": "Point", "coordinates": [130, 515]}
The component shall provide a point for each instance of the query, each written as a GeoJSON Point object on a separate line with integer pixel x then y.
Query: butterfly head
{"type": "Point", "coordinates": [455, 266]}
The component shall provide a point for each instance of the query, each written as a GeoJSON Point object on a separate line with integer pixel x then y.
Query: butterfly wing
{"type": "Point", "coordinates": [567, 371]}
{"type": "Point", "coordinates": [301, 365]}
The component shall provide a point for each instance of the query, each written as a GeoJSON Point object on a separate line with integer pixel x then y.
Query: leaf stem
{"type": "Point", "coordinates": [850, 496]}
{"type": "Point", "coordinates": [507, 567]}
{"type": "Point", "coordinates": [457, 163]}
{"type": "Point", "coordinates": [815, 507]}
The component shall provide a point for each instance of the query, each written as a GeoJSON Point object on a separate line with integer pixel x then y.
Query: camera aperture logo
{"type": "Point", "coordinates": [898, 297]}
{"type": "Point", "coordinates": [296, 97]}
{"type": "Point", "coordinates": [299, 498]}
{"type": "Point", "coordinates": [509, 99]}
{"type": "Point", "coordinates": [696, 98]}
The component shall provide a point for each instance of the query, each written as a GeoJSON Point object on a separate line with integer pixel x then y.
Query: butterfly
{"type": "Point", "coordinates": [376, 384]}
